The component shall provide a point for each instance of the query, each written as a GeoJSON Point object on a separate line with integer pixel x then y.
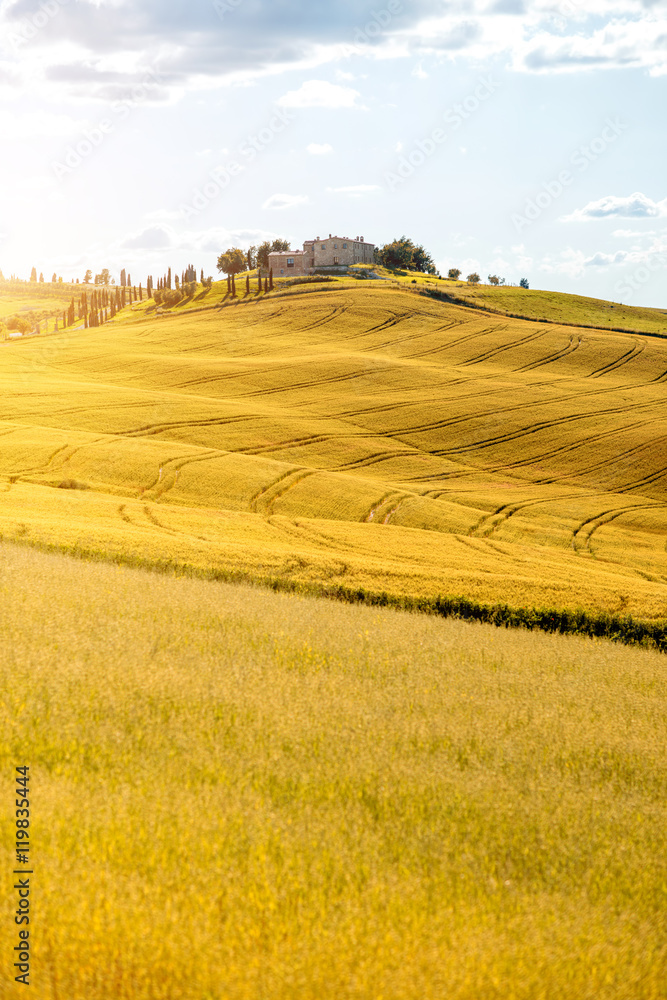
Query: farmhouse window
{"type": "Point", "coordinates": [344, 246]}
{"type": "Point", "coordinates": [336, 260]}
{"type": "Point", "coordinates": [290, 261]}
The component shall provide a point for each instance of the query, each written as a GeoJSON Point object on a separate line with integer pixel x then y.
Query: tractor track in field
{"type": "Point", "coordinates": [278, 488]}
{"type": "Point", "coordinates": [495, 351]}
{"type": "Point", "coordinates": [153, 523]}
{"type": "Point", "coordinates": [150, 430]}
{"type": "Point", "coordinates": [378, 511]}
{"type": "Point", "coordinates": [311, 383]}
{"type": "Point", "coordinates": [374, 459]}
{"type": "Point", "coordinates": [583, 534]}
{"type": "Point", "coordinates": [329, 317]}
{"type": "Point", "coordinates": [295, 530]}
{"type": "Point", "coordinates": [596, 465]}
{"type": "Point", "coordinates": [573, 345]}
{"type": "Point", "coordinates": [530, 429]}
{"type": "Point", "coordinates": [454, 343]}
{"type": "Point", "coordinates": [488, 526]}
{"type": "Point", "coordinates": [625, 359]}
{"type": "Point", "coordinates": [647, 480]}
{"type": "Point", "coordinates": [171, 469]}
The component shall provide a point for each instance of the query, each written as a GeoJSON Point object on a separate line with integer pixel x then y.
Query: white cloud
{"type": "Point", "coordinates": [280, 201]}
{"type": "Point", "coordinates": [355, 190]}
{"type": "Point", "coordinates": [320, 94]}
{"type": "Point", "coordinates": [319, 149]}
{"type": "Point", "coordinates": [635, 206]}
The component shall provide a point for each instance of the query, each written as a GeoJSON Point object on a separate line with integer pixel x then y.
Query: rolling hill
{"type": "Point", "coordinates": [353, 434]}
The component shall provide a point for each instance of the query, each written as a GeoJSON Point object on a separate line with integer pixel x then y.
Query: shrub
{"type": "Point", "coordinates": [19, 323]}
{"type": "Point", "coordinates": [72, 484]}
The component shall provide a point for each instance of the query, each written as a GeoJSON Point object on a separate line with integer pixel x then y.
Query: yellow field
{"type": "Point", "coordinates": [355, 434]}
{"type": "Point", "coordinates": [240, 795]}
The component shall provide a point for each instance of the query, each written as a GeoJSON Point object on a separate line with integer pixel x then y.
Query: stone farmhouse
{"type": "Point", "coordinates": [334, 252]}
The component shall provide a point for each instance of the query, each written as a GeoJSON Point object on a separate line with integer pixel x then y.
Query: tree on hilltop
{"type": "Point", "coordinates": [263, 251]}
{"type": "Point", "coordinates": [33, 274]}
{"type": "Point", "coordinates": [406, 255]}
{"type": "Point", "coordinates": [454, 273]}
{"type": "Point", "coordinates": [524, 283]}
{"type": "Point", "coordinates": [232, 261]}
{"type": "Point", "coordinates": [473, 279]}
{"type": "Point", "coordinates": [88, 277]}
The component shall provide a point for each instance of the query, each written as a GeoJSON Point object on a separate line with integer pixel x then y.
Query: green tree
{"type": "Point", "coordinates": [33, 274]}
{"type": "Point", "coordinates": [473, 279]}
{"type": "Point", "coordinates": [53, 278]}
{"type": "Point", "coordinates": [41, 277]}
{"type": "Point", "coordinates": [524, 283]}
{"type": "Point", "coordinates": [494, 279]}
{"type": "Point", "coordinates": [88, 277]}
{"type": "Point", "coordinates": [263, 251]}
{"type": "Point", "coordinates": [454, 273]}
{"type": "Point", "coordinates": [232, 261]}
{"type": "Point", "coordinates": [422, 261]}
{"type": "Point", "coordinates": [251, 257]}
{"type": "Point", "coordinates": [105, 276]}
{"type": "Point", "coordinates": [397, 254]}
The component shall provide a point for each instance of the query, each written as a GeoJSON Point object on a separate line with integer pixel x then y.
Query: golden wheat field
{"type": "Point", "coordinates": [237, 795]}
{"type": "Point", "coordinates": [359, 434]}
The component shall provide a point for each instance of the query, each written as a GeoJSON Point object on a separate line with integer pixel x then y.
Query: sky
{"type": "Point", "coordinates": [520, 138]}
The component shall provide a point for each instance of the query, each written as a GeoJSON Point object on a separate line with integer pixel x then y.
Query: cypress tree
{"type": "Point", "coordinates": [247, 284]}
{"type": "Point", "coordinates": [271, 280]}
{"type": "Point", "coordinates": [169, 277]}
{"type": "Point", "coordinates": [122, 277]}
{"type": "Point", "coordinates": [141, 294]}
{"type": "Point", "coordinates": [259, 279]}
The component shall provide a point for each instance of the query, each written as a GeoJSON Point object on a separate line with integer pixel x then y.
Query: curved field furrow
{"type": "Point", "coordinates": [533, 429]}
{"type": "Point", "coordinates": [647, 480]}
{"type": "Point", "coordinates": [630, 355]}
{"type": "Point", "coordinates": [287, 484]}
{"type": "Point", "coordinates": [324, 320]}
{"type": "Point", "coordinates": [574, 343]}
{"type": "Point", "coordinates": [602, 463]}
{"type": "Point", "coordinates": [376, 511]}
{"type": "Point", "coordinates": [172, 468]}
{"type": "Point", "coordinates": [487, 525]}
{"type": "Point", "coordinates": [494, 352]}
{"type": "Point", "coordinates": [454, 343]}
{"type": "Point", "coordinates": [582, 535]}
{"type": "Point", "coordinates": [149, 430]}
{"type": "Point", "coordinates": [379, 456]}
